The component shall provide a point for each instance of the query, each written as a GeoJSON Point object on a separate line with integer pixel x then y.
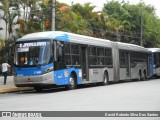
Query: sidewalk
{"type": "Point", "coordinates": [10, 87]}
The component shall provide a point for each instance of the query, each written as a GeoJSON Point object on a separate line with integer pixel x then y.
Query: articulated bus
{"type": "Point", "coordinates": [154, 62]}
{"type": "Point", "coordinates": [57, 58]}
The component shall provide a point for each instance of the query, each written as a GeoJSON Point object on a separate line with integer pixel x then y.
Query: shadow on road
{"type": "Point", "coordinates": [88, 86]}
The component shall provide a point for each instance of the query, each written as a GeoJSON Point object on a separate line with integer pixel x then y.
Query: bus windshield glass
{"type": "Point", "coordinates": [32, 53]}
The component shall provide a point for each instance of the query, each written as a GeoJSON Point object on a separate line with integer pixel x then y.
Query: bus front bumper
{"type": "Point", "coordinates": [31, 81]}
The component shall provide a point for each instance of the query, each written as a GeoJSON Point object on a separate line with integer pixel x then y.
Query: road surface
{"type": "Point", "coordinates": [123, 96]}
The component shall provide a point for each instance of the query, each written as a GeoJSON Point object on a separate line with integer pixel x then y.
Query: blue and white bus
{"type": "Point", "coordinates": [57, 58]}
{"type": "Point", "coordinates": [155, 62]}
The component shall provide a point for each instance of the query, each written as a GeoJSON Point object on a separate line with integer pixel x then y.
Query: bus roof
{"type": "Point", "coordinates": [66, 37]}
{"type": "Point", "coordinates": [45, 35]}
{"type": "Point", "coordinates": [133, 47]}
{"type": "Point", "coordinates": [154, 49]}
{"type": "Point", "coordinates": [80, 39]}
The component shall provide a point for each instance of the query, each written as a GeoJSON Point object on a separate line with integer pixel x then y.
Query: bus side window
{"type": "Point", "coordinates": [59, 51]}
{"type": "Point", "coordinates": [67, 51]}
{"type": "Point", "coordinates": [156, 59]}
{"type": "Point", "coordinates": [55, 50]}
{"type": "Point", "coordinates": [59, 55]}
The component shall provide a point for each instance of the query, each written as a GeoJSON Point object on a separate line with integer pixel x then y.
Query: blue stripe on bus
{"type": "Point", "coordinates": [61, 77]}
{"type": "Point", "coordinates": [63, 37]}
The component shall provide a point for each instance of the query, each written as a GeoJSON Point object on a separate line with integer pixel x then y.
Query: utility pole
{"type": "Point", "coordinates": [53, 14]}
{"type": "Point", "coordinates": [141, 38]}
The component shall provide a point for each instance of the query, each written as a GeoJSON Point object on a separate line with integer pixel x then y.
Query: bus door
{"type": "Point", "coordinates": [116, 65]}
{"type": "Point", "coordinates": [150, 63]}
{"type": "Point", "coordinates": [84, 62]}
{"type": "Point", "coordinates": [128, 64]}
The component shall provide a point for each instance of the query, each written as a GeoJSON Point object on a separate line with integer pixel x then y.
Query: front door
{"type": "Point", "coordinates": [128, 65]}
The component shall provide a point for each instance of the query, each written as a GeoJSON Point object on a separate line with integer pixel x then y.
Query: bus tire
{"type": "Point", "coordinates": [105, 79]}
{"type": "Point", "coordinates": [72, 83]}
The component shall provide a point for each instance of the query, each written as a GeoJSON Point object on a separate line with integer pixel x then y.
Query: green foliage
{"type": "Point", "coordinates": [133, 15]}
{"type": "Point", "coordinates": [6, 50]}
{"type": "Point", "coordinates": [2, 43]}
{"type": "Point", "coordinates": [9, 17]}
{"type": "Point", "coordinates": [118, 21]}
{"type": "Point", "coordinates": [152, 30]}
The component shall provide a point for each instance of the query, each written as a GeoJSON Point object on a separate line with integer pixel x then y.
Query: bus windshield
{"type": "Point", "coordinates": [32, 53]}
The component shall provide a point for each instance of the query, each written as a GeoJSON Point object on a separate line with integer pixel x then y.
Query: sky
{"type": "Point", "coordinates": [99, 3]}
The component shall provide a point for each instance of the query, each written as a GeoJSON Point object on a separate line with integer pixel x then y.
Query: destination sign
{"type": "Point", "coordinates": [25, 45]}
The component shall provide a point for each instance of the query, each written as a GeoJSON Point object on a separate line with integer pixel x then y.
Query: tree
{"type": "Point", "coordinates": [9, 16]}
{"type": "Point", "coordinates": [5, 17]}
{"type": "Point", "coordinates": [152, 30]}
{"type": "Point", "coordinates": [66, 19]}
{"type": "Point", "coordinates": [130, 17]}
{"type": "Point", "coordinates": [46, 14]}
{"type": "Point", "coordinates": [32, 18]}
{"type": "Point", "coordinates": [72, 22]}
{"type": "Point", "coordinates": [118, 21]}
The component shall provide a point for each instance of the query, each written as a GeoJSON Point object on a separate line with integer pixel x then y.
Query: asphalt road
{"type": "Point", "coordinates": [123, 96]}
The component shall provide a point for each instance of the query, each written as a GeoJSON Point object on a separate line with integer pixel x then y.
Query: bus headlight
{"type": "Point", "coordinates": [47, 70]}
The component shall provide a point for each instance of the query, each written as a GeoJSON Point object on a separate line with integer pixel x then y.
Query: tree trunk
{"type": "Point", "coordinates": [6, 31]}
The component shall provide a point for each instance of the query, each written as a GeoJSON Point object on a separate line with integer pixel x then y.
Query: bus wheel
{"type": "Point", "coordinates": [105, 79]}
{"type": "Point", "coordinates": [38, 89]}
{"type": "Point", "coordinates": [72, 83]}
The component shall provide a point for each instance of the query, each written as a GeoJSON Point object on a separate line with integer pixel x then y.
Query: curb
{"type": "Point", "coordinates": [14, 89]}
